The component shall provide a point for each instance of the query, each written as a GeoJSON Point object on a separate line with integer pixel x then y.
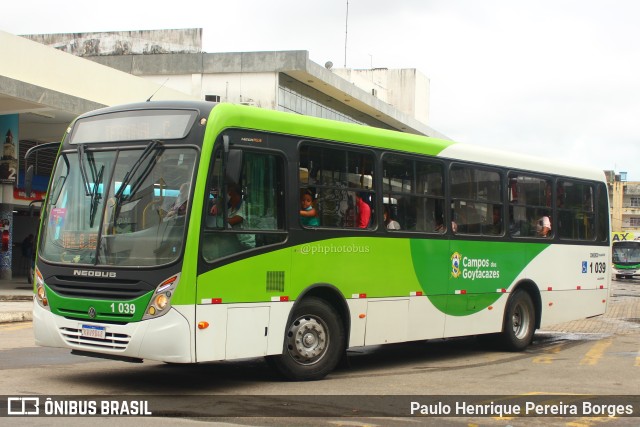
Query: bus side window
{"type": "Point", "coordinates": [529, 204]}
{"type": "Point", "coordinates": [413, 192]}
{"type": "Point", "coordinates": [576, 215]}
{"type": "Point", "coordinates": [337, 177]}
{"type": "Point", "coordinates": [476, 195]}
{"type": "Point", "coordinates": [248, 214]}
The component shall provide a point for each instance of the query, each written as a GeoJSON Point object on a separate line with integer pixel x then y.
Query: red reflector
{"type": "Point", "coordinates": [549, 288]}
{"type": "Point", "coordinates": [363, 295]}
{"type": "Point", "coordinates": [216, 300]}
{"type": "Point", "coordinates": [169, 281]}
{"type": "Point", "coordinates": [579, 287]}
{"type": "Point", "coordinates": [284, 299]}
{"type": "Point", "coordinates": [601, 286]}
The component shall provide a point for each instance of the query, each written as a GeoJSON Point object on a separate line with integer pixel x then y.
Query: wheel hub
{"type": "Point", "coordinates": [307, 340]}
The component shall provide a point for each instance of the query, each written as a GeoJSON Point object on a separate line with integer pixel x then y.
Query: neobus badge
{"type": "Point", "coordinates": [92, 273]}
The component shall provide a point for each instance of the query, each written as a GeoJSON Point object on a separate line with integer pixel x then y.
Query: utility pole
{"type": "Point", "coordinates": [346, 32]}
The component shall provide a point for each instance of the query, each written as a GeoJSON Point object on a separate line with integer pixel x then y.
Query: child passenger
{"type": "Point", "coordinates": [308, 214]}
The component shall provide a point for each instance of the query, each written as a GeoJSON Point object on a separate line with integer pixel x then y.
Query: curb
{"type": "Point", "coordinates": [16, 316]}
{"type": "Point", "coordinates": [16, 297]}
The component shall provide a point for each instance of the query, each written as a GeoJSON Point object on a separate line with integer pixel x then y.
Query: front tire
{"type": "Point", "coordinates": [519, 322]}
{"type": "Point", "coordinates": [314, 341]}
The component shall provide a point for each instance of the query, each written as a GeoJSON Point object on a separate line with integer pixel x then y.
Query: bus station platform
{"type": "Point", "coordinates": [16, 300]}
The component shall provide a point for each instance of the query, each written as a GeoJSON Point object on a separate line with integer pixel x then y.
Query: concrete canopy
{"type": "Point", "coordinates": [49, 88]}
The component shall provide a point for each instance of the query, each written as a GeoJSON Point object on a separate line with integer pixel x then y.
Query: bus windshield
{"type": "Point", "coordinates": [626, 253]}
{"type": "Point", "coordinates": [123, 207]}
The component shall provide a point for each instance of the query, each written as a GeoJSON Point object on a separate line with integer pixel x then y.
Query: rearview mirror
{"type": "Point", "coordinates": [28, 181]}
{"type": "Point", "coordinates": [233, 167]}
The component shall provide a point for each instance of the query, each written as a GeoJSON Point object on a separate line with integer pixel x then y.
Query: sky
{"type": "Point", "coordinates": [556, 78]}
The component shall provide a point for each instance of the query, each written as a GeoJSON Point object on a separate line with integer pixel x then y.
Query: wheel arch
{"type": "Point", "coordinates": [332, 296]}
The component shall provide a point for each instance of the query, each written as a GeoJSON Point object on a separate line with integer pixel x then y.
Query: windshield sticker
{"type": "Point", "coordinates": [57, 216]}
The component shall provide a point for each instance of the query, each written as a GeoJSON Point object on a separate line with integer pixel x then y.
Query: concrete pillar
{"type": "Point", "coordinates": [6, 236]}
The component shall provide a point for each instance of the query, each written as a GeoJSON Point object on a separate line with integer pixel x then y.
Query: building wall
{"type": "Point", "coordinates": [296, 97]}
{"type": "Point", "coordinates": [124, 42]}
{"type": "Point", "coordinates": [625, 205]}
{"type": "Point", "coordinates": [631, 207]}
{"type": "Point", "coordinates": [257, 89]}
{"type": "Point", "coordinates": [405, 89]}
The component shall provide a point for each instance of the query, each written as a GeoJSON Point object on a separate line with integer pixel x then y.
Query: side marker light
{"type": "Point", "coordinates": [203, 325]}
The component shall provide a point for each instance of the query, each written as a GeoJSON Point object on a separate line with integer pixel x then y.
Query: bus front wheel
{"type": "Point", "coordinates": [519, 322]}
{"type": "Point", "coordinates": [314, 342]}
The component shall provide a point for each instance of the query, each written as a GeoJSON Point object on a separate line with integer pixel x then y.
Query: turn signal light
{"type": "Point", "coordinates": [203, 325]}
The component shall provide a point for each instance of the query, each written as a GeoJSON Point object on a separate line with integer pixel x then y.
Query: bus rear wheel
{"type": "Point", "coordinates": [519, 322]}
{"type": "Point", "coordinates": [314, 342]}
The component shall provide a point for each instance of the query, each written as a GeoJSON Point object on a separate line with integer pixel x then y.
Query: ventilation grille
{"type": "Point", "coordinates": [275, 281]}
{"type": "Point", "coordinates": [120, 290]}
{"type": "Point", "coordinates": [112, 341]}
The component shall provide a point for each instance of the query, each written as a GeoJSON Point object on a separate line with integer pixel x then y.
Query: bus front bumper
{"type": "Point", "coordinates": [167, 338]}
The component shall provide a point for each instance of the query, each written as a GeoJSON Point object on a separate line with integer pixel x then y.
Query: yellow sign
{"type": "Point", "coordinates": [619, 236]}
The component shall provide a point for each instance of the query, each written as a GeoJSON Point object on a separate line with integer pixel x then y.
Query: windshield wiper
{"type": "Point", "coordinates": [146, 154]}
{"type": "Point", "coordinates": [96, 180]}
{"type": "Point", "coordinates": [83, 171]}
{"type": "Point", "coordinates": [95, 196]}
{"type": "Point", "coordinates": [127, 178]}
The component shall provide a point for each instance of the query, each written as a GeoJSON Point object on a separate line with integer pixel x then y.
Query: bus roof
{"type": "Point", "coordinates": [229, 115]}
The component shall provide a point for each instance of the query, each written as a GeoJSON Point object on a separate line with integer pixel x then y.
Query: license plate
{"type": "Point", "coordinates": [92, 331]}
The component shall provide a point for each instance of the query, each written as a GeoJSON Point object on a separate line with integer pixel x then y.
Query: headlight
{"type": "Point", "coordinates": [161, 300]}
{"type": "Point", "coordinates": [41, 293]}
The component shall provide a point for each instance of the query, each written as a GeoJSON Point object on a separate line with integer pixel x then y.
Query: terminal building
{"type": "Point", "coordinates": [48, 80]}
{"type": "Point", "coordinates": [624, 201]}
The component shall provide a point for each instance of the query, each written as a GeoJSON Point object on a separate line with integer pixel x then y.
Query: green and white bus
{"type": "Point", "coordinates": [174, 231]}
{"type": "Point", "coordinates": [626, 259]}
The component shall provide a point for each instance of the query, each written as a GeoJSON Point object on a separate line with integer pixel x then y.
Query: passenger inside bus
{"type": "Point", "coordinates": [363, 210]}
{"type": "Point", "coordinates": [179, 206]}
{"type": "Point", "coordinates": [236, 214]}
{"type": "Point", "coordinates": [495, 228]}
{"type": "Point", "coordinates": [389, 222]}
{"type": "Point", "coordinates": [543, 226]}
{"type": "Point", "coordinates": [308, 212]}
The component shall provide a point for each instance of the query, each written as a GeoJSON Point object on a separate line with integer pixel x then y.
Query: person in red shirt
{"type": "Point", "coordinates": [364, 211]}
